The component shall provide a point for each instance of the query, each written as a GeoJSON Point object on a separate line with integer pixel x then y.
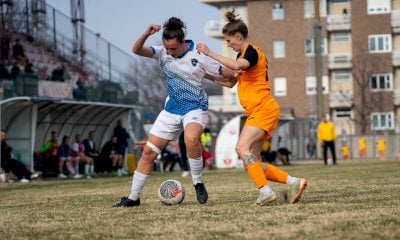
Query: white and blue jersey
{"type": "Point", "coordinates": [184, 77]}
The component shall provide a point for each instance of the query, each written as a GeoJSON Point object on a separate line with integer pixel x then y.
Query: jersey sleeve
{"type": "Point", "coordinates": [158, 51]}
{"type": "Point", "coordinates": [210, 65]}
{"type": "Point", "coordinates": [251, 56]}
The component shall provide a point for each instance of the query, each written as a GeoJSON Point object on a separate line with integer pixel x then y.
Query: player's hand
{"type": "Point", "coordinates": [153, 28]}
{"type": "Point", "coordinates": [203, 48]}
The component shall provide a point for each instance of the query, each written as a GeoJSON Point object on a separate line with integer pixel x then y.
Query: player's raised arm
{"type": "Point", "coordinates": [138, 47]}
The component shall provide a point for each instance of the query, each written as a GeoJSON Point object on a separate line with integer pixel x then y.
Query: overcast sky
{"type": "Point", "coordinates": [122, 21]}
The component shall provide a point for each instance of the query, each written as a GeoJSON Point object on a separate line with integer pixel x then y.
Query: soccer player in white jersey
{"type": "Point", "coordinates": [186, 106]}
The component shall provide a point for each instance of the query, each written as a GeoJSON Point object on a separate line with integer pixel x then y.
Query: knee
{"type": "Point", "coordinates": [192, 141]}
{"type": "Point", "coordinates": [240, 149]}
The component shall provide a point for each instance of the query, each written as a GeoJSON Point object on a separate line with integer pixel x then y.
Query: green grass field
{"type": "Point", "coordinates": [354, 200]}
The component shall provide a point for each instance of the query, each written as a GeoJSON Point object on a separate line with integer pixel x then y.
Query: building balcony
{"type": "Point", "coordinates": [395, 19]}
{"type": "Point", "coordinates": [341, 99]}
{"type": "Point", "coordinates": [339, 61]}
{"type": "Point", "coordinates": [338, 22]}
{"type": "Point", "coordinates": [214, 29]}
{"type": "Point", "coordinates": [396, 58]}
{"type": "Point", "coordinates": [396, 97]}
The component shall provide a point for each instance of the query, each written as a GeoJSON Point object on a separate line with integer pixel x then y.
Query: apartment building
{"type": "Point", "coordinates": [360, 48]}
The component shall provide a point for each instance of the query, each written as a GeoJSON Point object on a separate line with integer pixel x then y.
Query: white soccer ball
{"type": "Point", "coordinates": [171, 192]}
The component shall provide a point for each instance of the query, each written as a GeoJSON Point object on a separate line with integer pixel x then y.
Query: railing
{"type": "Point", "coordinates": [396, 97]}
{"type": "Point", "coordinates": [338, 22]}
{"type": "Point", "coordinates": [396, 58]}
{"type": "Point", "coordinates": [395, 19]}
{"type": "Point", "coordinates": [341, 99]}
{"type": "Point", "coordinates": [102, 59]}
{"type": "Point", "coordinates": [341, 60]}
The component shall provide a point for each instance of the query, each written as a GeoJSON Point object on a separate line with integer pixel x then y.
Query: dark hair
{"type": "Point", "coordinates": [234, 25]}
{"type": "Point", "coordinates": [174, 28]}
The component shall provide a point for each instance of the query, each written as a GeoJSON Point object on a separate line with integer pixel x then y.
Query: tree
{"type": "Point", "coordinates": [365, 101]}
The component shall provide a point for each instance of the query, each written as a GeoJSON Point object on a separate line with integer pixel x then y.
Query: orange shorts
{"type": "Point", "coordinates": [264, 116]}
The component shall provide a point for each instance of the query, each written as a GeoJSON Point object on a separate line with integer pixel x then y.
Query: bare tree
{"type": "Point", "coordinates": [365, 101]}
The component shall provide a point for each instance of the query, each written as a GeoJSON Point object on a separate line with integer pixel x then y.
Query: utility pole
{"type": "Point", "coordinates": [318, 59]}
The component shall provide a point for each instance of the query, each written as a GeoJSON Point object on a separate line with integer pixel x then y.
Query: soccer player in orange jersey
{"type": "Point", "coordinates": [261, 108]}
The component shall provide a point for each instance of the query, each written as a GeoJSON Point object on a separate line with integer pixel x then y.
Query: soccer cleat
{"type": "Point", "coordinates": [62, 176]}
{"type": "Point", "coordinates": [24, 180]}
{"type": "Point", "coordinates": [126, 202]}
{"type": "Point", "coordinates": [77, 176]}
{"type": "Point", "coordinates": [265, 200]}
{"type": "Point", "coordinates": [297, 189]}
{"type": "Point", "coordinates": [201, 193]}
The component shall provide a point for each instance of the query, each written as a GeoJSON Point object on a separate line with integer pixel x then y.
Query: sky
{"type": "Point", "coordinates": [121, 22]}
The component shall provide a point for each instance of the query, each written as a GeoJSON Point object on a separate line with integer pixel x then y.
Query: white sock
{"type": "Point", "coordinates": [91, 168]}
{"type": "Point", "coordinates": [86, 168]}
{"type": "Point", "coordinates": [196, 169]}
{"type": "Point", "coordinates": [266, 190]}
{"type": "Point", "coordinates": [291, 180]}
{"type": "Point", "coordinates": [138, 181]}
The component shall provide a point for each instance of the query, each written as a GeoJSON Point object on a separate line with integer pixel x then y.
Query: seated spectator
{"type": "Point", "coordinates": [47, 159]}
{"type": "Point", "coordinates": [5, 50]}
{"type": "Point", "coordinates": [58, 74]}
{"type": "Point", "coordinates": [267, 154]}
{"type": "Point", "coordinates": [90, 150]}
{"type": "Point", "coordinates": [79, 156]}
{"type": "Point", "coordinates": [170, 156]}
{"type": "Point", "coordinates": [110, 156]}
{"type": "Point", "coordinates": [65, 154]}
{"type": "Point", "coordinates": [28, 67]}
{"type": "Point", "coordinates": [4, 74]}
{"type": "Point", "coordinates": [15, 70]}
{"type": "Point", "coordinates": [19, 53]}
{"type": "Point", "coordinates": [80, 92]}
{"type": "Point", "coordinates": [9, 164]}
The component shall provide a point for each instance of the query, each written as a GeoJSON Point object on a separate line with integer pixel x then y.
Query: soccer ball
{"type": "Point", "coordinates": [171, 192]}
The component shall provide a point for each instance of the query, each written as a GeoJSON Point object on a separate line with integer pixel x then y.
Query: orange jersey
{"type": "Point", "coordinates": [254, 91]}
{"type": "Point", "coordinates": [253, 83]}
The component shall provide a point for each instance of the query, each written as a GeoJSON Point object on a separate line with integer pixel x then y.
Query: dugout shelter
{"type": "Point", "coordinates": [29, 122]}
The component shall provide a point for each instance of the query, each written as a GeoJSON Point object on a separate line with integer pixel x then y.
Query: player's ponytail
{"type": "Point", "coordinates": [174, 28]}
{"type": "Point", "coordinates": [234, 25]}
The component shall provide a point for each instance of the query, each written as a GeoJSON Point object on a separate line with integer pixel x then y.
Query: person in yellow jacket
{"type": "Point", "coordinates": [380, 144]}
{"type": "Point", "coordinates": [345, 152]}
{"type": "Point", "coordinates": [362, 147]}
{"type": "Point", "coordinates": [326, 134]}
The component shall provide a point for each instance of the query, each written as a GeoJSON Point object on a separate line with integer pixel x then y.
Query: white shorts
{"type": "Point", "coordinates": [169, 126]}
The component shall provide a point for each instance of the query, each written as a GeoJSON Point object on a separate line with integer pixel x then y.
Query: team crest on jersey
{"type": "Point", "coordinates": [194, 62]}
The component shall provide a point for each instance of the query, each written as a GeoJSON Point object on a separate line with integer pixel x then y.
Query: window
{"type": "Point", "coordinates": [279, 49]}
{"type": "Point", "coordinates": [234, 98]}
{"type": "Point", "coordinates": [341, 37]}
{"type": "Point", "coordinates": [382, 120]}
{"type": "Point", "coordinates": [277, 11]}
{"type": "Point", "coordinates": [381, 82]}
{"type": "Point", "coordinates": [379, 6]}
{"type": "Point", "coordinates": [280, 87]}
{"type": "Point", "coordinates": [309, 8]}
{"type": "Point", "coordinates": [380, 43]}
{"type": "Point", "coordinates": [311, 85]}
{"type": "Point", "coordinates": [309, 46]}
{"type": "Point", "coordinates": [341, 75]}
{"type": "Point", "coordinates": [342, 113]}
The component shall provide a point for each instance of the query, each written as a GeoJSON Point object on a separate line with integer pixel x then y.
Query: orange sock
{"type": "Point", "coordinates": [256, 174]}
{"type": "Point", "coordinates": [275, 174]}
